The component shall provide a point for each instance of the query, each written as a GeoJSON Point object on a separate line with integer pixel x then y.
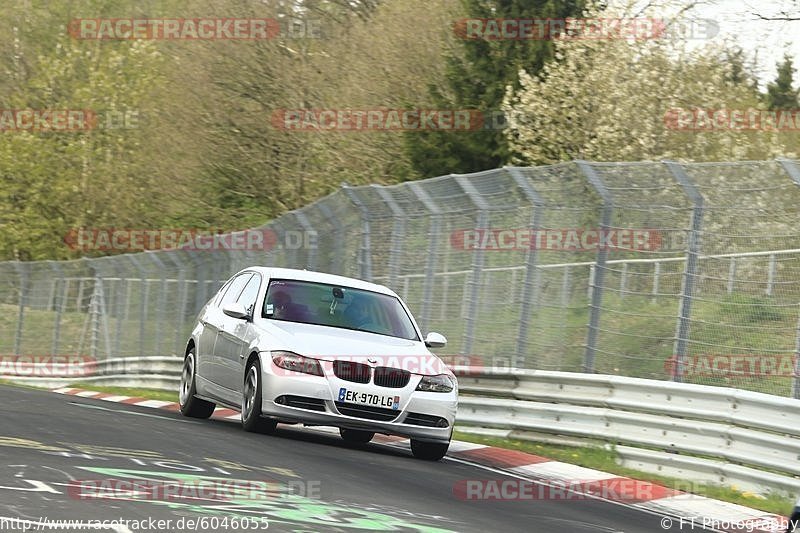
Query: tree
{"type": "Point", "coordinates": [476, 76]}
{"type": "Point", "coordinates": [780, 93]}
{"type": "Point", "coordinates": [610, 100]}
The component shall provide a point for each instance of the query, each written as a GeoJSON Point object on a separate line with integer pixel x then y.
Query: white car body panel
{"type": "Point", "coordinates": [221, 368]}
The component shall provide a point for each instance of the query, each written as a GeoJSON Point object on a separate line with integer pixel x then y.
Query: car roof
{"type": "Point", "coordinates": [319, 277]}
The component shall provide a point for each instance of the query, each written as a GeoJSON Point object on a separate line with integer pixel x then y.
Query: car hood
{"type": "Point", "coordinates": [328, 343]}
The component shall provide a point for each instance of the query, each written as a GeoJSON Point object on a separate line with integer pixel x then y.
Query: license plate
{"type": "Point", "coordinates": [366, 398]}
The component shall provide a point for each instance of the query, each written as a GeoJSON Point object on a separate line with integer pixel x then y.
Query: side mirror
{"type": "Point", "coordinates": [235, 310]}
{"type": "Point", "coordinates": [435, 340]}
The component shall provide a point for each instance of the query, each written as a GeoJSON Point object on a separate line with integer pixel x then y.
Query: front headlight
{"type": "Point", "coordinates": [438, 383]}
{"type": "Point", "coordinates": [296, 363]}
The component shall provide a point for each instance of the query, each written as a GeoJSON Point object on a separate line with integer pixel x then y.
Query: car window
{"type": "Point", "coordinates": [339, 307]}
{"type": "Point", "coordinates": [235, 288]}
{"type": "Point", "coordinates": [250, 293]}
{"type": "Point", "coordinates": [221, 292]}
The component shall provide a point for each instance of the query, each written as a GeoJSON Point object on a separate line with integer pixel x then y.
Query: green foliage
{"type": "Point", "coordinates": [476, 77]}
{"type": "Point", "coordinates": [780, 93]}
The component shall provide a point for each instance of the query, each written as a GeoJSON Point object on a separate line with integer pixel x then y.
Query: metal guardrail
{"type": "Point", "coordinates": [704, 433]}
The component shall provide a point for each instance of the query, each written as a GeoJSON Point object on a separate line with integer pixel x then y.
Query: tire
{"type": "Point", "coordinates": [191, 406]}
{"type": "Point", "coordinates": [251, 402]}
{"type": "Point", "coordinates": [356, 436]}
{"type": "Point", "coordinates": [428, 451]}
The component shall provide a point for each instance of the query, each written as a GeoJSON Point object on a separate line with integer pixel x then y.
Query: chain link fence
{"type": "Point", "coordinates": [686, 272]}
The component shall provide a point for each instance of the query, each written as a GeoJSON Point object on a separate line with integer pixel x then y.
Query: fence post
{"type": "Point", "coordinates": [771, 274]}
{"type": "Point", "coordinates": [796, 377]}
{"type": "Point", "coordinates": [308, 229]}
{"type": "Point", "coordinates": [794, 172]}
{"type": "Point", "coordinates": [22, 272]}
{"type": "Point", "coordinates": [690, 271]}
{"type": "Point", "coordinates": [337, 261]}
{"type": "Point", "coordinates": [477, 261]}
{"type": "Point", "coordinates": [58, 305]}
{"type": "Point", "coordinates": [656, 279]}
{"type": "Point", "coordinates": [597, 285]}
{"type": "Point", "coordinates": [365, 249]}
{"type": "Point", "coordinates": [530, 285]}
{"type": "Point", "coordinates": [98, 319]}
{"type": "Point", "coordinates": [731, 275]}
{"type": "Point", "coordinates": [430, 263]}
{"type": "Point", "coordinates": [179, 316]}
{"type": "Point", "coordinates": [144, 296]}
{"type": "Point", "coordinates": [398, 233]}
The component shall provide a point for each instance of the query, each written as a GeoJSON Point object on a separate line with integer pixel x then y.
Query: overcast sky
{"type": "Point", "coordinates": [764, 40]}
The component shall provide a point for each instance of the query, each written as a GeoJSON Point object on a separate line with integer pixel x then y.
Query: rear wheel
{"type": "Point", "coordinates": [356, 436]}
{"type": "Point", "coordinates": [429, 451]}
{"type": "Point", "coordinates": [191, 406]}
{"type": "Point", "coordinates": [251, 402]}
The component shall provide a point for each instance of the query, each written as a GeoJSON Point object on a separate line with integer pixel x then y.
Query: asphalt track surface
{"type": "Point", "coordinates": [58, 454]}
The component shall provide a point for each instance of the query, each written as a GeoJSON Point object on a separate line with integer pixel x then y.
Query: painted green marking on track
{"type": "Point", "coordinates": [284, 508]}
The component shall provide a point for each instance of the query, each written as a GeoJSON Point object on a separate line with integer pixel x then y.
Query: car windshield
{"type": "Point", "coordinates": [339, 307]}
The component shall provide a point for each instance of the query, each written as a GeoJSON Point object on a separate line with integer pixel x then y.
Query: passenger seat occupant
{"type": "Point", "coordinates": [281, 302]}
{"type": "Point", "coordinates": [358, 315]}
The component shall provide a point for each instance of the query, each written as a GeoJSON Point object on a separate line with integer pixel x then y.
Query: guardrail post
{"type": "Point", "coordinates": [530, 285]}
{"type": "Point", "coordinates": [477, 261]}
{"type": "Point", "coordinates": [690, 271]}
{"type": "Point", "coordinates": [398, 233]}
{"type": "Point", "coordinates": [430, 264]}
{"type": "Point", "coordinates": [365, 249]}
{"type": "Point", "coordinates": [597, 285]}
{"type": "Point", "coordinates": [794, 172]}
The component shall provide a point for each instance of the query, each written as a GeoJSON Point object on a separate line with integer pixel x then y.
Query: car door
{"type": "Point", "coordinates": [235, 337]}
{"type": "Point", "coordinates": [207, 335]}
{"type": "Point", "coordinates": [210, 366]}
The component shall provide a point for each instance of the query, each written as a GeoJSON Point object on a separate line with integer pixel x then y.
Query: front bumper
{"type": "Point", "coordinates": [279, 383]}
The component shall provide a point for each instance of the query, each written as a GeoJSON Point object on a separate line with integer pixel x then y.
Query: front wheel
{"type": "Point", "coordinates": [251, 402]}
{"type": "Point", "coordinates": [429, 451]}
{"type": "Point", "coordinates": [191, 406]}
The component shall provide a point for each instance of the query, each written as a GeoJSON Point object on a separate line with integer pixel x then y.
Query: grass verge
{"type": "Point", "coordinates": [605, 459]}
